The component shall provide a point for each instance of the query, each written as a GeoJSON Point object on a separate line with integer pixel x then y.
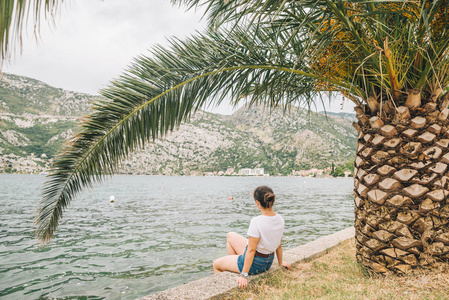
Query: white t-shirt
{"type": "Point", "coordinates": [269, 230]}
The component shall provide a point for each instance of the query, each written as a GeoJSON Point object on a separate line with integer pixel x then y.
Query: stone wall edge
{"type": "Point", "coordinates": [219, 284]}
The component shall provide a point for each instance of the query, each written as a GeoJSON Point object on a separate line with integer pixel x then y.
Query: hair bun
{"type": "Point", "coordinates": [269, 197]}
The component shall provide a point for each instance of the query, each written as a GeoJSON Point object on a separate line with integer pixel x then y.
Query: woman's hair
{"type": "Point", "coordinates": [265, 196]}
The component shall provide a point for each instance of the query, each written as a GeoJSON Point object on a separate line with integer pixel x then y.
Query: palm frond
{"type": "Point", "coordinates": [14, 15]}
{"type": "Point", "coordinates": [158, 93]}
{"type": "Point", "coordinates": [400, 44]}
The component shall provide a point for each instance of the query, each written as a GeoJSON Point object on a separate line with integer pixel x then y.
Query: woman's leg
{"type": "Point", "coordinates": [235, 243]}
{"type": "Point", "coordinates": [226, 263]}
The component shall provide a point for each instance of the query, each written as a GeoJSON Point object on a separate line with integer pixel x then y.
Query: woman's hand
{"type": "Point", "coordinates": [242, 282]}
{"type": "Point", "coordinates": [286, 265]}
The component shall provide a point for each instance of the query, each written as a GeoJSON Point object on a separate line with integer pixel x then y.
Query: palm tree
{"type": "Point", "coordinates": [390, 58]}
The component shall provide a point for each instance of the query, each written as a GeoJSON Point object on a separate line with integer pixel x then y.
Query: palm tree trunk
{"type": "Point", "coordinates": [401, 189]}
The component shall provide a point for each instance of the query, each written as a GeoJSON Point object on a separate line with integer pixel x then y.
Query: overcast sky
{"type": "Point", "coordinates": [94, 41]}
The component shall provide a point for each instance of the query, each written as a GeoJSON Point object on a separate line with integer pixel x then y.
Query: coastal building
{"type": "Point", "coordinates": [12, 163]}
{"type": "Point", "coordinates": [312, 172]}
{"type": "Point", "coordinates": [229, 171]}
{"type": "Point", "coordinates": [252, 172]}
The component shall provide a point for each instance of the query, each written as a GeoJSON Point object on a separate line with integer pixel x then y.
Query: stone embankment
{"type": "Point", "coordinates": [221, 283]}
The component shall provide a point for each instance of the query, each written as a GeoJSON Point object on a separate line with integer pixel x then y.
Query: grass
{"type": "Point", "coordinates": [337, 275]}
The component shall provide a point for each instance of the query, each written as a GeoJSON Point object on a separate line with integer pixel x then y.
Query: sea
{"type": "Point", "coordinates": [160, 232]}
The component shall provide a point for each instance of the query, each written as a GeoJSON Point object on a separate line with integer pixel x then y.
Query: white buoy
{"type": "Point", "coordinates": [111, 199]}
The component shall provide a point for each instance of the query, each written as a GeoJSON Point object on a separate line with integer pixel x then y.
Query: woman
{"type": "Point", "coordinates": [255, 255]}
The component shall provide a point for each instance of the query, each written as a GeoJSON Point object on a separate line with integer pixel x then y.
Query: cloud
{"type": "Point", "coordinates": [94, 41]}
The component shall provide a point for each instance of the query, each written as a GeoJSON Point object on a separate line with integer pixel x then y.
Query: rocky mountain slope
{"type": "Point", "coordinates": [37, 118]}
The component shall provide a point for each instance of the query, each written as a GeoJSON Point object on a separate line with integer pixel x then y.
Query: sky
{"type": "Point", "coordinates": [93, 41]}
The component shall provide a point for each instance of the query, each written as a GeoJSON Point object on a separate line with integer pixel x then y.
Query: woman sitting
{"type": "Point", "coordinates": [255, 255]}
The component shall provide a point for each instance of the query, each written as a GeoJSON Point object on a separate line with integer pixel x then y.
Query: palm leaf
{"type": "Point", "coordinates": [14, 15]}
{"type": "Point", "coordinates": [158, 93]}
{"type": "Point", "coordinates": [348, 34]}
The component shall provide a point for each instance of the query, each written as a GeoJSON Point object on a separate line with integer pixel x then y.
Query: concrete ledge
{"type": "Point", "coordinates": [217, 284]}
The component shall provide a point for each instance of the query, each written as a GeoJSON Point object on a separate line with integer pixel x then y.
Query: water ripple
{"type": "Point", "coordinates": [160, 232]}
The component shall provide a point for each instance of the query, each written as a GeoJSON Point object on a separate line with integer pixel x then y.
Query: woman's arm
{"type": "Point", "coordinates": [279, 256]}
{"type": "Point", "coordinates": [249, 257]}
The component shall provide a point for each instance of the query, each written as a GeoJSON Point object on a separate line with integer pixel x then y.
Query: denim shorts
{"type": "Point", "coordinates": [259, 265]}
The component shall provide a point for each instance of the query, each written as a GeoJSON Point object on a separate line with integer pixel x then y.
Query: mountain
{"type": "Point", "coordinates": [21, 95]}
{"type": "Point", "coordinates": [345, 115]}
{"type": "Point", "coordinates": [37, 118]}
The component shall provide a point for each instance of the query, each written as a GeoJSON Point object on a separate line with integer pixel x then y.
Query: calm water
{"type": "Point", "coordinates": [161, 232]}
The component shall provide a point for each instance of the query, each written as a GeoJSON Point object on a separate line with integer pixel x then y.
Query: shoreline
{"type": "Point", "coordinates": [227, 176]}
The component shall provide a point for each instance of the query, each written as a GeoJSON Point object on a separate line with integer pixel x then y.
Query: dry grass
{"type": "Point", "coordinates": [337, 275]}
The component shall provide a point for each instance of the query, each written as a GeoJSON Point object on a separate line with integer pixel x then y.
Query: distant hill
{"type": "Point", "coordinates": [37, 118]}
{"type": "Point", "coordinates": [345, 115]}
{"type": "Point", "coordinates": [20, 95]}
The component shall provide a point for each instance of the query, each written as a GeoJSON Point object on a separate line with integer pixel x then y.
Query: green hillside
{"type": "Point", "coordinates": [37, 118]}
